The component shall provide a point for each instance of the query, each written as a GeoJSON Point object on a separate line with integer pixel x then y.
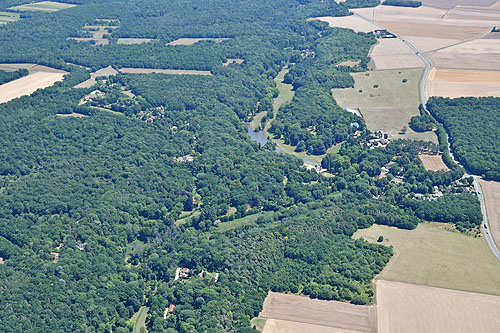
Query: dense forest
{"type": "Point", "coordinates": [469, 123]}
{"type": "Point", "coordinates": [402, 3]}
{"type": "Point", "coordinates": [97, 213]}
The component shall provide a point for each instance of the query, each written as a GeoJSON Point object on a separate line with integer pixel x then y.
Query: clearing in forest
{"type": "Point", "coordinates": [433, 162]}
{"type": "Point", "coordinates": [44, 6]}
{"type": "Point", "coordinates": [6, 17]}
{"type": "Point", "coordinates": [437, 255]}
{"type": "Point", "coordinates": [107, 71]}
{"type": "Point", "coordinates": [455, 83]}
{"type": "Point", "coordinates": [353, 22]}
{"type": "Point", "coordinates": [294, 314]}
{"type": "Point", "coordinates": [491, 194]}
{"type": "Point", "coordinates": [134, 41]}
{"type": "Point", "coordinates": [191, 41]}
{"type": "Point", "coordinates": [164, 71]}
{"type": "Point", "coordinates": [233, 61]}
{"type": "Point", "coordinates": [387, 100]}
{"type": "Point", "coordinates": [409, 308]}
{"type": "Point", "coordinates": [39, 77]}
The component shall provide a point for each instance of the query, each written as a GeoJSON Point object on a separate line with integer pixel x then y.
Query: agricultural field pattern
{"type": "Point", "coordinates": [273, 166]}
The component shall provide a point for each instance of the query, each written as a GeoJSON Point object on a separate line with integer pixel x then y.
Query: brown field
{"type": "Point", "coordinates": [388, 107]}
{"type": "Point", "coordinates": [435, 254]}
{"type": "Point", "coordinates": [464, 61]}
{"type": "Point", "coordinates": [477, 46]}
{"type": "Point", "coordinates": [133, 41]}
{"type": "Point", "coordinates": [297, 312]}
{"type": "Point", "coordinates": [350, 22]}
{"type": "Point", "coordinates": [453, 3]}
{"type": "Point", "coordinates": [409, 308]}
{"type": "Point", "coordinates": [44, 6]}
{"type": "Point", "coordinates": [233, 61]}
{"type": "Point", "coordinates": [457, 83]}
{"type": "Point", "coordinates": [428, 44]}
{"type": "Point", "coordinates": [433, 162]}
{"type": "Point", "coordinates": [392, 53]}
{"type": "Point", "coordinates": [491, 193]}
{"type": "Point", "coordinates": [28, 85]}
{"type": "Point", "coordinates": [286, 326]}
{"type": "Point", "coordinates": [191, 41]}
{"type": "Point", "coordinates": [163, 71]}
{"type": "Point", "coordinates": [434, 30]}
{"type": "Point", "coordinates": [107, 71]}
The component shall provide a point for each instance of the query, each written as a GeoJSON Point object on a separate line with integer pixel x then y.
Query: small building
{"type": "Point", "coordinates": [168, 310]}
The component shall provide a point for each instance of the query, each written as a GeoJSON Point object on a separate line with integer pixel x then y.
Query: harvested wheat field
{"type": "Point", "coordinates": [353, 22]}
{"type": "Point", "coordinates": [393, 53]}
{"type": "Point", "coordinates": [435, 254]}
{"type": "Point", "coordinates": [286, 326]}
{"type": "Point", "coordinates": [433, 162]}
{"type": "Point", "coordinates": [455, 83]}
{"type": "Point", "coordinates": [491, 193]}
{"type": "Point", "coordinates": [28, 85]}
{"type": "Point", "coordinates": [482, 61]}
{"type": "Point", "coordinates": [134, 41]}
{"type": "Point", "coordinates": [387, 100]}
{"type": "Point", "coordinates": [191, 41]}
{"type": "Point", "coordinates": [409, 308]}
{"type": "Point", "coordinates": [318, 314]}
{"type": "Point", "coordinates": [164, 71]}
{"type": "Point", "coordinates": [44, 6]}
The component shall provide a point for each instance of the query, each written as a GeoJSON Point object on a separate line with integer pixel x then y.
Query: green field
{"type": "Point", "coordinates": [6, 17]}
{"type": "Point", "coordinates": [385, 101]}
{"type": "Point", "coordinates": [237, 223]}
{"type": "Point", "coordinates": [139, 319]}
{"type": "Point", "coordinates": [44, 6]}
{"type": "Point", "coordinates": [436, 255]}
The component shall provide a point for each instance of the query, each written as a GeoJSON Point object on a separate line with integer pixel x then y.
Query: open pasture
{"type": "Point", "coordinates": [134, 41]}
{"type": "Point", "coordinates": [164, 71]}
{"type": "Point", "coordinates": [433, 162]}
{"type": "Point", "coordinates": [44, 6]}
{"type": "Point", "coordinates": [491, 193]}
{"type": "Point", "coordinates": [455, 83]}
{"type": "Point", "coordinates": [386, 102]}
{"type": "Point", "coordinates": [29, 84]}
{"type": "Point", "coordinates": [302, 314]}
{"type": "Point", "coordinates": [393, 53]}
{"type": "Point", "coordinates": [437, 255]}
{"type": "Point", "coordinates": [191, 41]}
{"type": "Point", "coordinates": [353, 22]}
{"type": "Point", "coordinates": [409, 308]}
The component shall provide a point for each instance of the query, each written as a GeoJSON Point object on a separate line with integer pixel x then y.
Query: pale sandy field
{"type": "Point", "coordinates": [350, 22]}
{"type": "Point", "coordinates": [133, 41]}
{"type": "Point", "coordinates": [286, 326]}
{"type": "Point", "coordinates": [482, 61]}
{"type": "Point", "coordinates": [191, 41]}
{"type": "Point", "coordinates": [491, 193]}
{"type": "Point", "coordinates": [44, 6]}
{"type": "Point", "coordinates": [409, 308]}
{"type": "Point", "coordinates": [434, 254]}
{"type": "Point", "coordinates": [433, 162]}
{"type": "Point", "coordinates": [163, 71]}
{"type": "Point", "coordinates": [71, 115]}
{"type": "Point", "coordinates": [457, 83]}
{"type": "Point", "coordinates": [477, 46]}
{"type": "Point", "coordinates": [427, 44]}
{"type": "Point", "coordinates": [28, 85]}
{"type": "Point", "coordinates": [327, 314]}
{"type": "Point", "coordinates": [392, 53]}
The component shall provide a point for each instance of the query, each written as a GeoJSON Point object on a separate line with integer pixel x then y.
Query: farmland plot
{"type": "Point", "coordinates": [301, 314]}
{"type": "Point", "coordinates": [433, 162]}
{"type": "Point", "coordinates": [134, 41]}
{"type": "Point", "coordinates": [44, 6]}
{"type": "Point", "coordinates": [491, 193]}
{"type": "Point", "coordinates": [409, 308]}
{"type": "Point", "coordinates": [28, 85]}
{"type": "Point", "coordinates": [393, 53]}
{"type": "Point", "coordinates": [455, 83]}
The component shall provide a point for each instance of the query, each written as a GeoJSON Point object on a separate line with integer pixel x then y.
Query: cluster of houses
{"type": "Point", "coordinates": [377, 139]}
{"type": "Point", "coordinates": [383, 33]}
{"type": "Point", "coordinates": [93, 95]}
{"type": "Point", "coordinates": [187, 158]}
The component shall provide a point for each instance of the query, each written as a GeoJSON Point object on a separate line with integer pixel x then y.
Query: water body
{"type": "Point", "coordinates": [260, 136]}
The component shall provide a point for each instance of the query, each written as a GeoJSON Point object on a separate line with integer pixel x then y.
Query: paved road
{"type": "Point", "coordinates": [423, 99]}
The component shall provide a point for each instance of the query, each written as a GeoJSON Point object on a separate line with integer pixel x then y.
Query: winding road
{"type": "Point", "coordinates": [423, 98]}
